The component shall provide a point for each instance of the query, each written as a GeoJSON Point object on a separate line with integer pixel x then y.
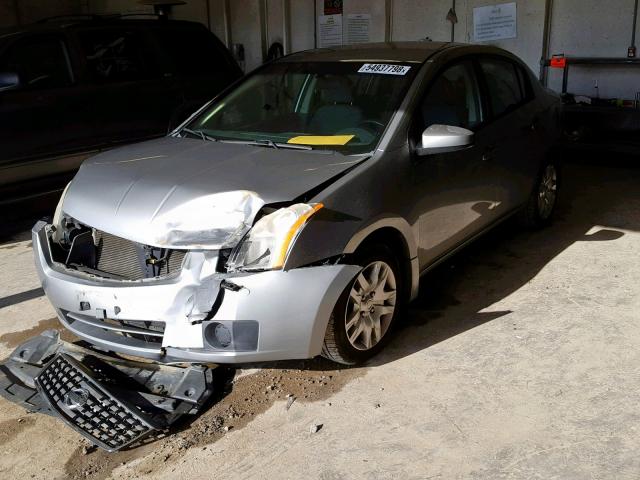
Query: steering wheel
{"type": "Point", "coordinates": [362, 135]}
{"type": "Point", "coordinates": [372, 125]}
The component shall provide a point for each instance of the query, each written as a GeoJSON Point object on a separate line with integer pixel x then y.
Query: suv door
{"type": "Point", "coordinates": [515, 151]}
{"type": "Point", "coordinates": [130, 98]}
{"type": "Point", "coordinates": [198, 63]}
{"type": "Point", "coordinates": [43, 117]}
{"type": "Point", "coordinates": [455, 191]}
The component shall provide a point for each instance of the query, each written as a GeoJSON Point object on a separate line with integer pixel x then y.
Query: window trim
{"type": "Point", "coordinates": [527, 94]}
{"type": "Point", "coordinates": [61, 40]}
{"type": "Point", "coordinates": [152, 67]}
{"type": "Point", "coordinates": [469, 60]}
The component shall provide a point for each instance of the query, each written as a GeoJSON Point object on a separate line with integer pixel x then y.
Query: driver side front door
{"type": "Point", "coordinates": [455, 191]}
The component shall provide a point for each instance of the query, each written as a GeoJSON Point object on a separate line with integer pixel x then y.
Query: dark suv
{"type": "Point", "coordinates": [70, 88]}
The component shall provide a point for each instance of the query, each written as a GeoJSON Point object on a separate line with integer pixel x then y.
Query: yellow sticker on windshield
{"type": "Point", "coordinates": [321, 139]}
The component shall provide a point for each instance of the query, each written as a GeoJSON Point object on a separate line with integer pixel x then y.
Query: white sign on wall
{"type": "Point", "coordinates": [495, 22]}
{"type": "Point", "coordinates": [330, 30]}
{"type": "Point", "coordinates": [358, 27]}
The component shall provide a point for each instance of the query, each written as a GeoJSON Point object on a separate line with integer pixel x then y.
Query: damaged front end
{"type": "Point", "coordinates": [178, 294]}
{"type": "Point", "coordinates": [113, 402]}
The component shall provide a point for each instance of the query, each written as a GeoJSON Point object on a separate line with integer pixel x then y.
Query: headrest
{"type": "Point", "coordinates": [335, 89]}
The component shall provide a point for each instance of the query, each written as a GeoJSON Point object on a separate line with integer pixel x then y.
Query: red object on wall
{"type": "Point", "coordinates": [558, 62]}
{"type": "Point", "coordinates": [332, 7]}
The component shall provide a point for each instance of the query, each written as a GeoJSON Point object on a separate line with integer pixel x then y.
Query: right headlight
{"type": "Point", "coordinates": [267, 244]}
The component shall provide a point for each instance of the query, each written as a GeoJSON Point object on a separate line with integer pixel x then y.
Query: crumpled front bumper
{"type": "Point", "coordinates": [271, 315]}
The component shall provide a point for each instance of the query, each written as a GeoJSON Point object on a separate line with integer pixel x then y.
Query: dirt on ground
{"type": "Point", "coordinates": [241, 397]}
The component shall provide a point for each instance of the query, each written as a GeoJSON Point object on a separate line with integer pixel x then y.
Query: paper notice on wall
{"type": "Point", "coordinates": [329, 30]}
{"type": "Point", "coordinates": [495, 22]}
{"type": "Point", "coordinates": [358, 27]}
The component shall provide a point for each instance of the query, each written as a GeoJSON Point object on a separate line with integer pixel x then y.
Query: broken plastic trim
{"type": "Point", "coordinates": [114, 403]}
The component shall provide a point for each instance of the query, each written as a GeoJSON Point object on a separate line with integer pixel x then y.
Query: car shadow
{"type": "Point", "coordinates": [598, 203]}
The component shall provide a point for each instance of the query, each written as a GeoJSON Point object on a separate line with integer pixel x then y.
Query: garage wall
{"type": "Point", "coordinates": [14, 12]}
{"type": "Point", "coordinates": [598, 29]}
{"type": "Point", "coordinates": [418, 19]}
{"type": "Point", "coordinates": [578, 28]}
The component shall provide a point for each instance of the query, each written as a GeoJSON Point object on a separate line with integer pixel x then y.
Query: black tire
{"type": "Point", "coordinates": [533, 215]}
{"type": "Point", "coordinates": [336, 346]}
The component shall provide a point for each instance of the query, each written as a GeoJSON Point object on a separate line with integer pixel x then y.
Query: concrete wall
{"type": "Point", "coordinates": [595, 29]}
{"type": "Point", "coordinates": [579, 28]}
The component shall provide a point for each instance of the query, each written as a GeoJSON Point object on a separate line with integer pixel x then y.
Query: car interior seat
{"type": "Point", "coordinates": [337, 111]}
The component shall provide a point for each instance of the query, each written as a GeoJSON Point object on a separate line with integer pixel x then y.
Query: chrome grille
{"type": "Point", "coordinates": [93, 412]}
{"type": "Point", "coordinates": [150, 332]}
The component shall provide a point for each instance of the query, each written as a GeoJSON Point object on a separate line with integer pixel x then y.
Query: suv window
{"type": "Point", "coordinates": [503, 84]}
{"type": "Point", "coordinates": [190, 50]}
{"type": "Point", "coordinates": [113, 55]}
{"type": "Point", "coordinates": [40, 62]}
{"type": "Point", "coordinates": [452, 99]}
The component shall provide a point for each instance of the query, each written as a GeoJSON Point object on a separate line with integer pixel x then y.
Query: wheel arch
{"type": "Point", "coordinates": [398, 235]}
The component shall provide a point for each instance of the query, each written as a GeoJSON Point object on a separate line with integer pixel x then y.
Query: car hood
{"type": "Point", "coordinates": [187, 193]}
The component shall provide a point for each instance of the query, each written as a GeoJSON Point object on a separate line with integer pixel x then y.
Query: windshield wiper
{"type": "Point", "coordinates": [198, 133]}
{"type": "Point", "coordinates": [269, 143]}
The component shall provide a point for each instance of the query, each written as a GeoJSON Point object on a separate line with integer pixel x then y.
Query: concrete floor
{"type": "Point", "coordinates": [519, 360]}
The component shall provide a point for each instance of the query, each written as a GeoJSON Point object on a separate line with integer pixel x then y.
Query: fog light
{"type": "Point", "coordinates": [237, 335]}
{"type": "Point", "coordinates": [218, 335]}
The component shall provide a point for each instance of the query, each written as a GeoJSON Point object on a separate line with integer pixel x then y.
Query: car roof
{"type": "Point", "coordinates": [411, 52]}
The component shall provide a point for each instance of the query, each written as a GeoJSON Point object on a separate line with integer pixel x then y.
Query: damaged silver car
{"type": "Point", "coordinates": [293, 215]}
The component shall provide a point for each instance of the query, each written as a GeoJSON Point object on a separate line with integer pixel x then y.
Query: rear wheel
{"type": "Point", "coordinates": [542, 202]}
{"type": "Point", "coordinates": [363, 318]}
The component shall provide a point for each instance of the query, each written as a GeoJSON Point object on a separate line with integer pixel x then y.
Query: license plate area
{"type": "Point", "coordinates": [88, 407]}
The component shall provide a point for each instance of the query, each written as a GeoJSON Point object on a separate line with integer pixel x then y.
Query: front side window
{"type": "Point", "coordinates": [113, 55]}
{"type": "Point", "coordinates": [39, 62]}
{"type": "Point", "coordinates": [452, 99]}
{"type": "Point", "coordinates": [322, 104]}
{"type": "Point", "coordinates": [503, 84]}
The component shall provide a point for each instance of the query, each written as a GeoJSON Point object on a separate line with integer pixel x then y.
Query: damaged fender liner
{"type": "Point", "coordinates": [112, 402]}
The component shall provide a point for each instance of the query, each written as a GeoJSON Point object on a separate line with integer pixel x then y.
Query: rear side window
{"type": "Point", "coordinates": [40, 62]}
{"type": "Point", "coordinates": [191, 51]}
{"type": "Point", "coordinates": [503, 83]}
{"type": "Point", "coordinates": [113, 55]}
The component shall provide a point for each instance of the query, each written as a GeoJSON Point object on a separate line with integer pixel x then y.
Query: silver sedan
{"type": "Point", "coordinates": [293, 215]}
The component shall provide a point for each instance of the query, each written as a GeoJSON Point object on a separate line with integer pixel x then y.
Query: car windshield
{"type": "Point", "coordinates": [342, 106]}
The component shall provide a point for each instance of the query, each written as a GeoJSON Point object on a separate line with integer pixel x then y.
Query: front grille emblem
{"type": "Point", "coordinates": [76, 398]}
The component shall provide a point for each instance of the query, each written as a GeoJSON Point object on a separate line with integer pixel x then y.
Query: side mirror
{"type": "Point", "coordinates": [443, 139]}
{"type": "Point", "coordinates": [9, 81]}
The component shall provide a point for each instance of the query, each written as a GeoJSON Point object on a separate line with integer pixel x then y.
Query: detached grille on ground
{"type": "Point", "coordinates": [88, 408]}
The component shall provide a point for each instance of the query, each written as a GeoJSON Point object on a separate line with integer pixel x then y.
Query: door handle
{"type": "Point", "coordinates": [487, 154]}
{"type": "Point", "coordinates": [533, 126]}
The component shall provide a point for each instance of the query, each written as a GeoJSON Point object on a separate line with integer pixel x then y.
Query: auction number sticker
{"type": "Point", "coordinates": [384, 69]}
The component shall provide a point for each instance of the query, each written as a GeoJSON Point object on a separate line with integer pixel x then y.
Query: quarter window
{"type": "Point", "coordinates": [113, 55]}
{"type": "Point", "coordinates": [191, 51]}
{"type": "Point", "coordinates": [452, 99]}
{"type": "Point", "coordinates": [503, 85]}
{"type": "Point", "coordinates": [40, 63]}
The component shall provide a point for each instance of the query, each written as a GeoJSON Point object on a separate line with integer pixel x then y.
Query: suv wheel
{"type": "Point", "coordinates": [363, 318]}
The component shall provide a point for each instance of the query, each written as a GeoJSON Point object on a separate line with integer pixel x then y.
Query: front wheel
{"type": "Point", "coordinates": [543, 200]}
{"type": "Point", "coordinates": [363, 318]}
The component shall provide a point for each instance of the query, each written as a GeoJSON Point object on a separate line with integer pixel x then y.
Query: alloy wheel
{"type": "Point", "coordinates": [371, 305]}
{"type": "Point", "coordinates": [547, 192]}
